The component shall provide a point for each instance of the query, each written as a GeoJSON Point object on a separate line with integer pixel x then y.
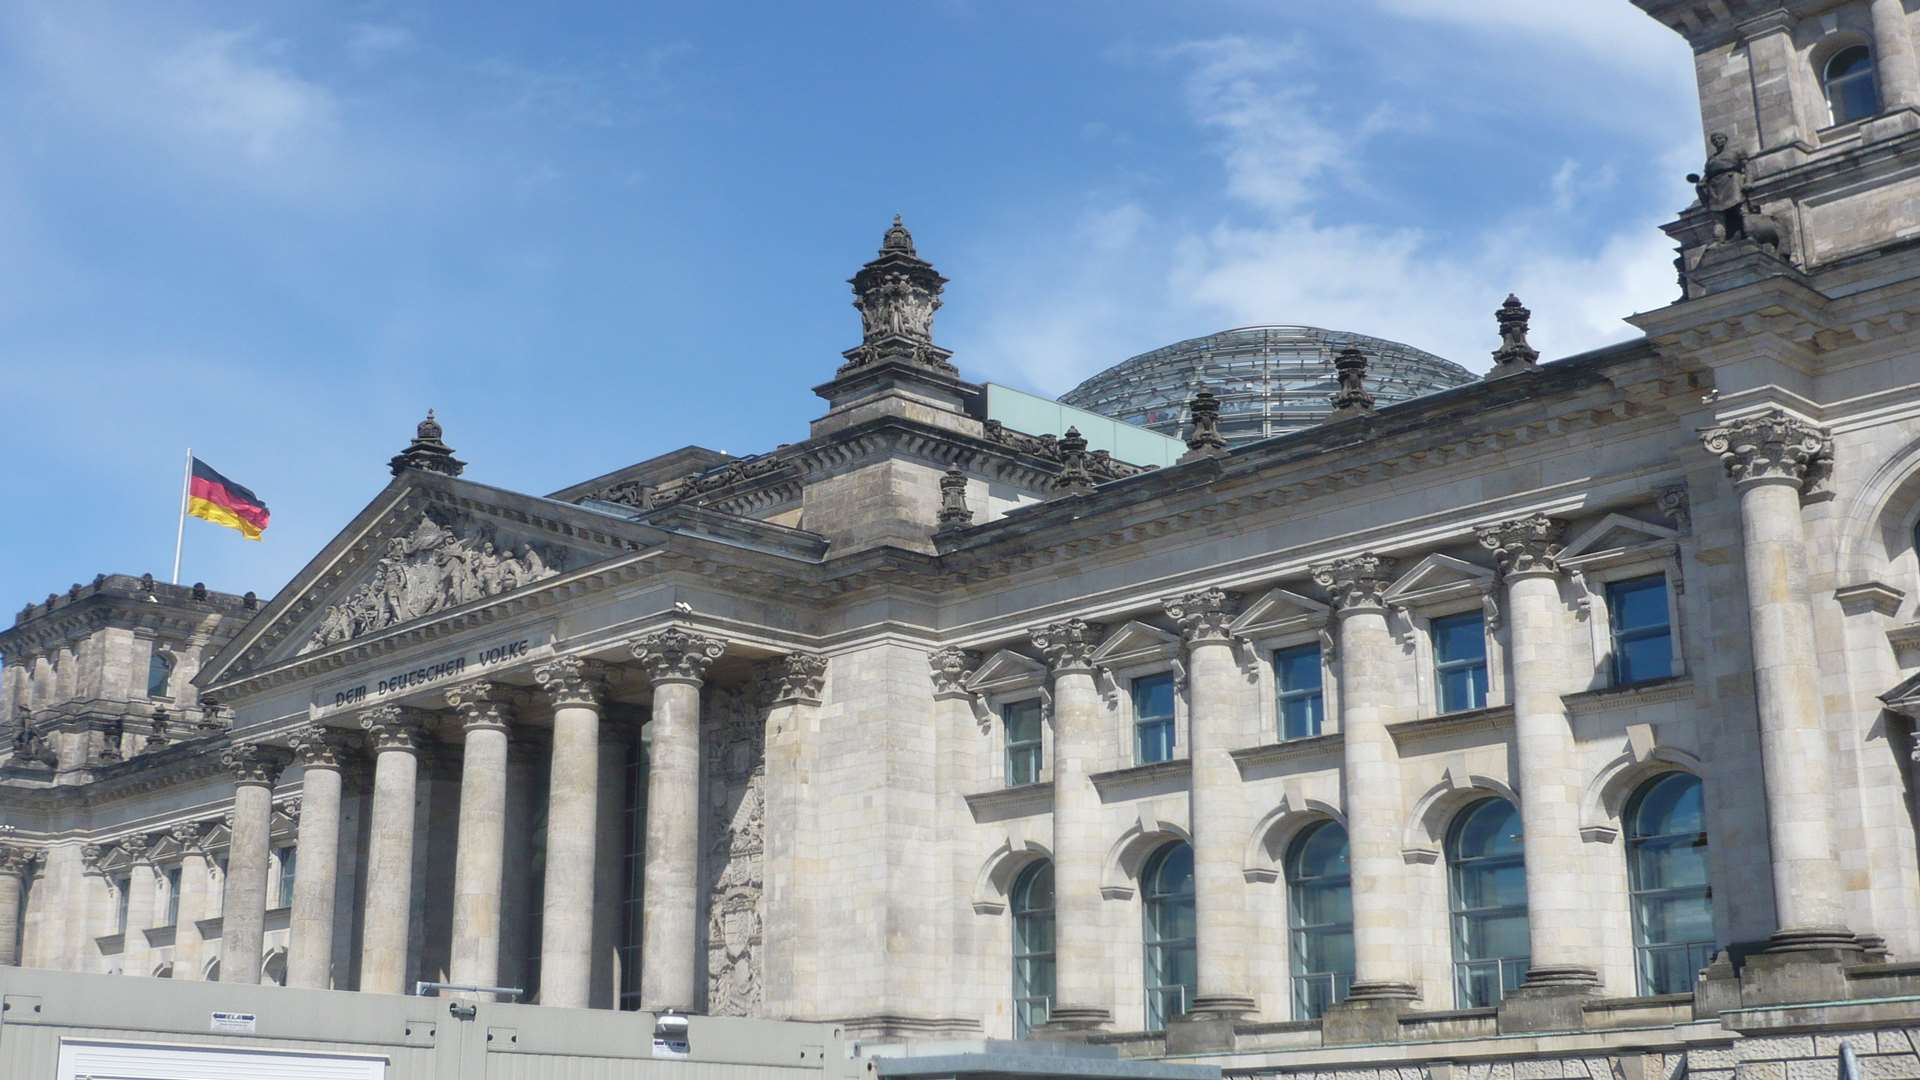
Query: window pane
{"type": "Point", "coordinates": [1153, 697]}
{"type": "Point", "coordinates": [1023, 721]}
{"type": "Point", "coordinates": [1643, 659]}
{"type": "Point", "coordinates": [1155, 742]}
{"type": "Point", "coordinates": [1297, 668]}
{"type": "Point", "coordinates": [1460, 637]}
{"type": "Point", "coordinates": [1638, 603]}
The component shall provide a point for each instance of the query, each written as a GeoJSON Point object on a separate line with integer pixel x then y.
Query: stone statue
{"type": "Point", "coordinates": [1722, 186]}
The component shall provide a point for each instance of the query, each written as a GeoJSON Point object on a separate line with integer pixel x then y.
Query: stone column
{"type": "Point", "coordinates": [676, 661]}
{"type": "Point", "coordinates": [797, 680]}
{"type": "Point", "coordinates": [396, 736]}
{"type": "Point", "coordinates": [479, 862]}
{"type": "Point", "coordinates": [1222, 929]}
{"type": "Point", "coordinates": [1895, 69]}
{"type": "Point", "coordinates": [135, 954]}
{"type": "Point", "coordinates": [243, 912]}
{"type": "Point", "coordinates": [1081, 990]}
{"type": "Point", "coordinates": [15, 864]}
{"type": "Point", "coordinates": [576, 686]}
{"type": "Point", "coordinates": [187, 944]}
{"type": "Point", "coordinates": [1769, 457]}
{"type": "Point", "coordinates": [1370, 690]}
{"type": "Point", "coordinates": [1559, 914]}
{"type": "Point", "coordinates": [321, 753]}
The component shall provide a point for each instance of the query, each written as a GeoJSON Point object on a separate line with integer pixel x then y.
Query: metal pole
{"type": "Point", "coordinates": [180, 530]}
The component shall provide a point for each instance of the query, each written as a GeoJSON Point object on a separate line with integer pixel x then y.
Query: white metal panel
{"type": "Point", "coordinates": [80, 1060]}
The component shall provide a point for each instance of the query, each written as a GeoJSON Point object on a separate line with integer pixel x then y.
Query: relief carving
{"type": "Point", "coordinates": [735, 776]}
{"type": "Point", "coordinates": [443, 563]}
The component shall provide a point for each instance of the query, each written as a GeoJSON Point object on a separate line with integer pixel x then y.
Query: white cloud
{"type": "Point", "coordinates": [226, 87]}
{"type": "Point", "coordinates": [369, 42]}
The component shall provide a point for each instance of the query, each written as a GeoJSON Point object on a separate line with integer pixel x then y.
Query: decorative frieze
{"type": "Point", "coordinates": [255, 763]}
{"type": "Point", "coordinates": [1770, 447]}
{"type": "Point", "coordinates": [1068, 645]}
{"type": "Point", "coordinates": [952, 667]}
{"type": "Point", "coordinates": [798, 679]}
{"type": "Point", "coordinates": [677, 655]}
{"type": "Point", "coordinates": [1527, 545]}
{"type": "Point", "coordinates": [1204, 616]}
{"type": "Point", "coordinates": [395, 728]}
{"type": "Point", "coordinates": [483, 706]}
{"type": "Point", "coordinates": [1355, 582]}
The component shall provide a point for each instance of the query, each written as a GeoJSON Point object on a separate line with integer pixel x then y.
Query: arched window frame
{"type": "Point", "coordinates": [1033, 947]}
{"type": "Point", "coordinates": [1655, 969]}
{"type": "Point", "coordinates": [1858, 96]}
{"type": "Point", "coordinates": [1316, 986]}
{"type": "Point", "coordinates": [1470, 964]}
{"type": "Point", "coordinates": [1169, 956]}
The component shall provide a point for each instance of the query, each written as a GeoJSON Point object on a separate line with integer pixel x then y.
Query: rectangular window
{"type": "Point", "coordinates": [1642, 631]}
{"type": "Point", "coordinates": [289, 858]}
{"type": "Point", "coordinates": [1153, 719]}
{"type": "Point", "coordinates": [173, 897]}
{"type": "Point", "coordinates": [1021, 721]}
{"type": "Point", "coordinates": [1460, 661]}
{"type": "Point", "coordinates": [1296, 679]}
{"type": "Point", "coordinates": [124, 887]}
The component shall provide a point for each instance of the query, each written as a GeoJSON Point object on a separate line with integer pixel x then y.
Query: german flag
{"type": "Point", "coordinates": [215, 498]}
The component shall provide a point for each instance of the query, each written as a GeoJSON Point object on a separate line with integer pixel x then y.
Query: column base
{"type": "Point", "coordinates": [1806, 963]}
{"type": "Point", "coordinates": [1071, 1023]}
{"type": "Point", "coordinates": [1374, 1018]}
{"type": "Point", "coordinates": [1222, 1005]}
{"type": "Point", "coordinates": [1813, 939]}
{"type": "Point", "coordinates": [1551, 999]}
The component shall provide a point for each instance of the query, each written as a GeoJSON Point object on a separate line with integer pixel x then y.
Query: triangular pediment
{"type": "Point", "coordinates": [1007, 670]}
{"type": "Point", "coordinates": [1438, 577]}
{"type": "Point", "coordinates": [1136, 643]}
{"type": "Point", "coordinates": [1280, 611]}
{"type": "Point", "coordinates": [427, 545]}
{"type": "Point", "coordinates": [1904, 698]}
{"type": "Point", "coordinates": [1615, 533]}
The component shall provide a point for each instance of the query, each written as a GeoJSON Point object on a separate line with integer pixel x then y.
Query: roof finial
{"type": "Point", "coordinates": [897, 238]}
{"type": "Point", "coordinates": [1514, 355]}
{"type": "Point", "coordinates": [897, 293]}
{"type": "Point", "coordinates": [427, 452]}
{"type": "Point", "coordinates": [1353, 399]}
{"type": "Point", "coordinates": [1205, 440]}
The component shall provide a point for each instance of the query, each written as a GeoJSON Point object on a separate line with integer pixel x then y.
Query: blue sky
{"type": "Point", "coordinates": [586, 234]}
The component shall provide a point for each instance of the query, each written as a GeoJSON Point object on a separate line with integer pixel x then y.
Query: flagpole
{"type": "Point", "coordinates": [180, 530]}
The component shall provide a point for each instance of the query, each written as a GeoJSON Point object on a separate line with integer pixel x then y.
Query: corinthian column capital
{"type": "Point", "coordinates": [255, 763]}
{"type": "Point", "coordinates": [18, 861]}
{"type": "Point", "coordinates": [483, 706]}
{"type": "Point", "coordinates": [395, 728]}
{"type": "Point", "coordinates": [798, 678]}
{"type": "Point", "coordinates": [1355, 583]}
{"type": "Point", "coordinates": [573, 680]}
{"type": "Point", "coordinates": [317, 747]}
{"type": "Point", "coordinates": [1769, 447]}
{"type": "Point", "coordinates": [1068, 645]}
{"type": "Point", "coordinates": [675, 655]}
{"type": "Point", "coordinates": [1203, 616]}
{"type": "Point", "coordinates": [951, 667]}
{"type": "Point", "coordinates": [1526, 545]}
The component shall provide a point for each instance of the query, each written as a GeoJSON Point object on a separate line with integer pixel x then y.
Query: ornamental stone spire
{"type": "Point", "coordinates": [896, 294]}
{"type": "Point", "coordinates": [427, 452]}
{"type": "Point", "coordinates": [1514, 355]}
{"type": "Point", "coordinates": [1354, 399]}
{"type": "Point", "coordinates": [954, 512]}
{"type": "Point", "coordinates": [1205, 439]}
{"type": "Point", "coordinates": [1074, 479]}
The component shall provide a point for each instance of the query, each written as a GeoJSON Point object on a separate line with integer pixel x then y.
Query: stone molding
{"type": "Point", "coordinates": [317, 747]}
{"type": "Point", "coordinates": [19, 861]}
{"type": "Point", "coordinates": [1205, 617]}
{"type": "Point", "coordinates": [395, 728]}
{"type": "Point", "coordinates": [572, 681]}
{"type": "Point", "coordinates": [951, 668]}
{"type": "Point", "coordinates": [675, 655]}
{"type": "Point", "coordinates": [483, 706]}
{"type": "Point", "coordinates": [799, 678]}
{"type": "Point", "coordinates": [1068, 645]}
{"type": "Point", "coordinates": [1355, 583]}
{"type": "Point", "coordinates": [1769, 447]}
{"type": "Point", "coordinates": [255, 763]}
{"type": "Point", "coordinates": [1529, 545]}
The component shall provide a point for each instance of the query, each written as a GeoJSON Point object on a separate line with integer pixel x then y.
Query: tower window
{"type": "Point", "coordinates": [159, 674]}
{"type": "Point", "coordinates": [1848, 79]}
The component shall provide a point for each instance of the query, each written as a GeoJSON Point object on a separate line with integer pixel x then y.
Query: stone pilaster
{"type": "Point", "coordinates": [1219, 824]}
{"type": "Point", "coordinates": [321, 754]}
{"type": "Point", "coordinates": [16, 864]}
{"type": "Point", "coordinates": [136, 954]}
{"type": "Point", "coordinates": [1081, 983]}
{"type": "Point", "coordinates": [676, 662]}
{"type": "Point", "coordinates": [576, 687]}
{"type": "Point", "coordinates": [1769, 458]}
{"type": "Point", "coordinates": [256, 768]}
{"type": "Point", "coordinates": [396, 735]}
{"type": "Point", "coordinates": [955, 776]}
{"type": "Point", "coordinates": [1559, 914]}
{"type": "Point", "coordinates": [1383, 942]}
{"type": "Point", "coordinates": [189, 948]}
{"type": "Point", "coordinates": [797, 681]}
{"type": "Point", "coordinates": [480, 849]}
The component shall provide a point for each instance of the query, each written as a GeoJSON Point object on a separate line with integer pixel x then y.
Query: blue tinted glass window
{"type": "Point", "coordinates": [1672, 899]}
{"type": "Point", "coordinates": [1642, 634]}
{"type": "Point", "coordinates": [1460, 661]}
{"type": "Point", "coordinates": [1172, 967]}
{"type": "Point", "coordinates": [1851, 93]}
{"type": "Point", "coordinates": [1320, 919]}
{"type": "Point", "coordinates": [1022, 723]}
{"type": "Point", "coordinates": [1488, 890]}
{"type": "Point", "coordinates": [1153, 719]}
{"type": "Point", "coordinates": [1302, 701]}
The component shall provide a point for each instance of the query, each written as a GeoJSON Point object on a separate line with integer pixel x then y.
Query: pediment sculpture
{"type": "Point", "coordinates": [442, 563]}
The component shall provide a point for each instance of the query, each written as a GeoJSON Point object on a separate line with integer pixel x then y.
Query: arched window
{"type": "Point", "coordinates": [1172, 969]}
{"type": "Point", "coordinates": [1032, 905]}
{"type": "Point", "coordinates": [1488, 879]}
{"type": "Point", "coordinates": [1666, 827]}
{"type": "Point", "coordinates": [159, 674]}
{"type": "Point", "coordinates": [1319, 919]}
{"type": "Point", "coordinates": [1848, 79]}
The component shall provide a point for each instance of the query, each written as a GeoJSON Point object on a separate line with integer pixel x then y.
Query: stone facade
{"type": "Point", "coordinates": [917, 722]}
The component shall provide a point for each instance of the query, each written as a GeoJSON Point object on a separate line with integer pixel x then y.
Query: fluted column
{"type": "Point", "coordinates": [676, 661]}
{"type": "Point", "coordinates": [576, 687]}
{"type": "Point", "coordinates": [1216, 812]}
{"type": "Point", "coordinates": [16, 863]}
{"type": "Point", "coordinates": [188, 946]}
{"type": "Point", "coordinates": [479, 862]}
{"type": "Point", "coordinates": [1768, 457]}
{"type": "Point", "coordinates": [1081, 990]}
{"type": "Point", "coordinates": [1559, 907]}
{"type": "Point", "coordinates": [797, 680]}
{"type": "Point", "coordinates": [396, 735]}
{"type": "Point", "coordinates": [1383, 943]}
{"type": "Point", "coordinates": [321, 753]}
{"type": "Point", "coordinates": [256, 768]}
{"type": "Point", "coordinates": [1894, 66]}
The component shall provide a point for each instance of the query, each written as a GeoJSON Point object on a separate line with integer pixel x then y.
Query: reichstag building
{"type": "Point", "coordinates": [1557, 723]}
